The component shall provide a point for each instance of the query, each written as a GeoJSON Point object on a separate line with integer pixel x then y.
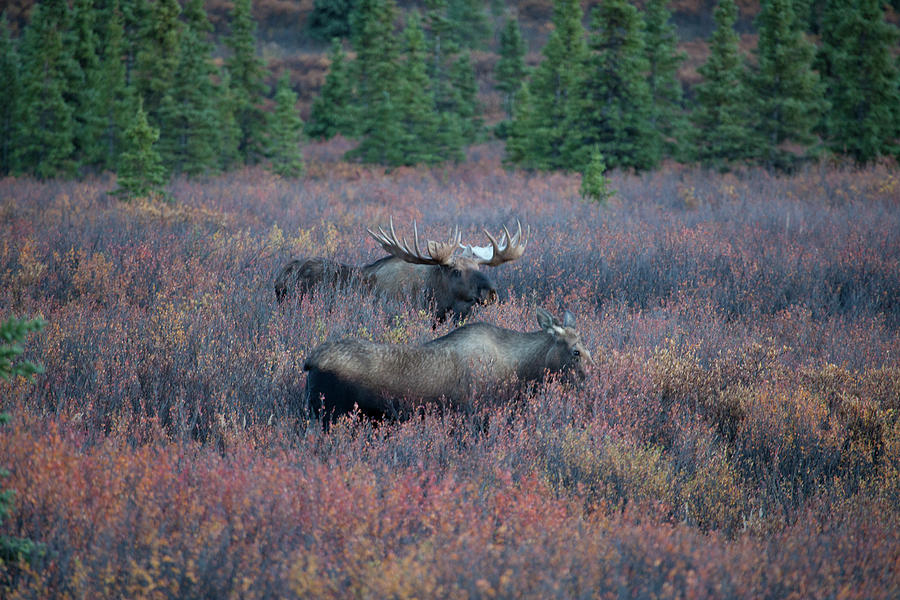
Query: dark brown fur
{"type": "Point", "coordinates": [448, 290]}
{"type": "Point", "coordinates": [303, 275]}
{"type": "Point", "coordinates": [392, 380]}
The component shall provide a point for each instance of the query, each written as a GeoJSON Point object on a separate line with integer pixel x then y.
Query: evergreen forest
{"type": "Point", "coordinates": [150, 88]}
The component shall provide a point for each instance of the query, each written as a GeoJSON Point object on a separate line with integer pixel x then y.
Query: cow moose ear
{"type": "Point", "coordinates": [568, 319]}
{"type": "Point", "coordinates": [544, 319]}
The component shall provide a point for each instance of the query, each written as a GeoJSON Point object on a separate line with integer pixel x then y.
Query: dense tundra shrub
{"type": "Point", "coordinates": [739, 434]}
{"type": "Point", "coordinates": [12, 332]}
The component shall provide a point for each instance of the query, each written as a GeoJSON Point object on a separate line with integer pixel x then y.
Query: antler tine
{"type": "Point", "coordinates": [394, 236]}
{"type": "Point", "coordinates": [405, 244]}
{"type": "Point", "coordinates": [494, 245]}
{"type": "Point", "coordinates": [443, 251]}
{"type": "Point", "coordinates": [509, 248]}
{"type": "Point", "coordinates": [396, 246]}
{"type": "Point", "coordinates": [416, 238]}
{"type": "Point", "coordinates": [520, 240]}
{"type": "Point", "coordinates": [382, 237]}
{"type": "Point", "coordinates": [515, 239]}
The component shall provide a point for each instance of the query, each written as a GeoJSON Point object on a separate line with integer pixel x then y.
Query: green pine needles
{"type": "Point", "coordinates": [45, 123]}
{"type": "Point", "coordinates": [788, 98]}
{"type": "Point", "coordinates": [669, 116]}
{"type": "Point", "coordinates": [594, 184]}
{"type": "Point", "coordinates": [721, 119]}
{"type": "Point", "coordinates": [540, 123]}
{"type": "Point", "coordinates": [245, 82]}
{"type": "Point", "coordinates": [862, 81]}
{"type": "Point", "coordinates": [10, 98]}
{"type": "Point", "coordinates": [285, 132]}
{"type": "Point", "coordinates": [190, 126]}
{"type": "Point", "coordinates": [611, 107]}
{"type": "Point", "coordinates": [141, 171]}
{"type": "Point", "coordinates": [332, 110]}
{"type": "Point", "coordinates": [409, 88]}
{"type": "Point", "coordinates": [510, 72]}
{"type": "Point", "coordinates": [13, 332]}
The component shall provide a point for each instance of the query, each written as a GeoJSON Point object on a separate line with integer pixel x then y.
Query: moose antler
{"type": "Point", "coordinates": [438, 253]}
{"type": "Point", "coordinates": [510, 247]}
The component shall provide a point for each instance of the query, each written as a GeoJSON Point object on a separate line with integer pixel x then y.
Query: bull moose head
{"type": "Point", "coordinates": [451, 278]}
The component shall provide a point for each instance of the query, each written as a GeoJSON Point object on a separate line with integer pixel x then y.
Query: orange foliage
{"type": "Point", "coordinates": [739, 436]}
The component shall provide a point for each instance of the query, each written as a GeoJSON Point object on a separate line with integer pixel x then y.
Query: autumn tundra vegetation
{"type": "Point", "coordinates": [737, 435]}
{"type": "Point", "coordinates": [723, 422]}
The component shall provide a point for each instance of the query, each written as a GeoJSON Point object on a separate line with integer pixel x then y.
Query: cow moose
{"type": "Point", "coordinates": [445, 277]}
{"type": "Point", "coordinates": [390, 380]}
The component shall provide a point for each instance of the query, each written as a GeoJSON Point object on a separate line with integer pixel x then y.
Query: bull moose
{"type": "Point", "coordinates": [393, 380]}
{"type": "Point", "coordinates": [445, 277]}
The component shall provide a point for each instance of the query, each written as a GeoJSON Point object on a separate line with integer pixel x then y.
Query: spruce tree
{"type": "Point", "coordinates": [330, 19]}
{"type": "Point", "coordinates": [135, 17]}
{"type": "Point", "coordinates": [452, 77]}
{"type": "Point", "coordinates": [116, 99]}
{"type": "Point", "coordinates": [86, 88]}
{"type": "Point", "coordinates": [415, 103]}
{"type": "Point", "coordinates": [470, 25]}
{"type": "Point", "coordinates": [45, 128]}
{"type": "Point", "coordinates": [141, 172]}
{"type": "Point", "coordinates": [13, 331]}
{"type": "Point", "coordinates": [663, 57]}
{"type": "Point", "coordinates": [611, 109]}
{"type": "Point", "coordinates": [721, 128]}
{"type": "Point", "coordinates": [332, 109]}
{"type": "Point", "coordinates": [787, 96]}
{"type": "Point", "coordinates": [285, 132]}
{"type": "Point", "coordinates": [594, 184]}
{"type": "Point", "coordinates": [382, 132]}
{"type": "Point", "coordinates": [809, 14]}
{"type": "Point", "coordinates": [510, 71]}
{"type": "Point", "coordinates": [157, 54]}
{"type": "Point", "coordinates": [10, 98]}
{"type": "Point", "coordinates": [862, 81]}
{"type": "Point", "coordinates": [518, 146]}
{"type": "Point", "coordinates": [189, 116]}
{"type": "Point", "coordinates": [465, 99]}
{"type": "Point", "coordinates": [443, 50]}
{"type": "Point", "coordinates": [537, 132]}
{"type": "Point", "coordinates": [375, 68]}
{"type": "Point", "coordinates": [229, 137]}
{"type": "Point", "coordinates": [247, 87]}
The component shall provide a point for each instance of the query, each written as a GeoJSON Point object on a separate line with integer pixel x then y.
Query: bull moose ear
{"type": "Point", "coordinates": [568, 319]}
{"type": "Point", "coordinates": [544, 319]}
